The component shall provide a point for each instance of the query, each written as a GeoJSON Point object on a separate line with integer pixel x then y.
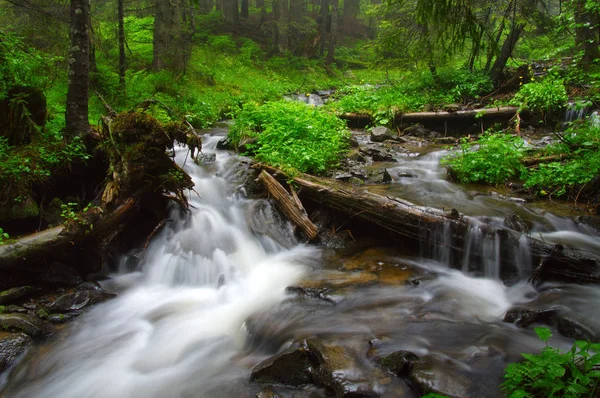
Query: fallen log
{"type": "Point", "coordinates": [51, 241]}
{"type": "Point", "coordinates": [289, 206]}
{"type": "Point", "coordinates": [461, 122]}
{"type": "Point", "coordinates": [427, 226]}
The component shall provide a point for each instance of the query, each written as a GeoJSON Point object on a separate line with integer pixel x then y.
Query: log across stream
{"type": "Point", "coordinates": [229, 302]}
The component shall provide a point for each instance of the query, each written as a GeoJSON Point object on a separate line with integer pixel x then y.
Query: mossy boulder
{"type": "Point", "coordinates": [20, 209]}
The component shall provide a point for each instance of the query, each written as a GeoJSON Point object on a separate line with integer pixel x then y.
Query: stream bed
{"type": "Point", "coordinates": [228, 286]}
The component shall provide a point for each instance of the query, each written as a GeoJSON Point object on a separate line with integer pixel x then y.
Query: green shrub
{"type": "Point", "coordinates": [222, 43]}
{"type": "Point", "coordinates": [495, 161]}
{"type": "Point", "coordinates": [553, 373]}
{"type": "Point", "coordinates": [541, 97]}
{"type": "Point", "coordinates": [291, 135]}
{"type": "Point", "coordinates": [3, 238]}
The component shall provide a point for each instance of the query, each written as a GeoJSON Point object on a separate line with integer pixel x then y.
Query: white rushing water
{"type": "Point", "coordinates": [176, 328]}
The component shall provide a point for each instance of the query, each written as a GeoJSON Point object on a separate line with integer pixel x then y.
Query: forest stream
{"type": "Point", "coordinates": [228, 286]}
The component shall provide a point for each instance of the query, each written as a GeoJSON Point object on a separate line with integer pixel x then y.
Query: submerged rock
{"type": "Point", "coordinates": [431, 375]}
{"type": "Point", "coordinates": [77, 300]}
{"type": "Point", "coordinates": [11, 347]}
{"type": "Point", "coordinates": [333, 367]}
{"type": "Point", "coordinates": [205, 158]}
{"type": "Point", "coordinates": [568, 325]}
{"type": "Point", "coordinates": [399, 363]}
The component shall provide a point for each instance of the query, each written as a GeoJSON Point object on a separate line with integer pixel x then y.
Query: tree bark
{"type": "Point", "coordinates": [244, 10]}
{"type": "Point", "coordinates": [323, 22]}
{"type": "Point", "coordinates": [76, 116]}
{"type": "Point", "coordinates": [351, 11]}
{"type": "Point", "coordinates": [167, 46]}
{"type": "Point", "coordinates": [506, 52]}
{"type": "Point", "coordinates": [333, 32]}
{"type": "Point", "coordinates": [231, 14]}
{"type": "Point", "coordinates": [121, 16]}
{"type": "Point", "coordinates": [586, 37]}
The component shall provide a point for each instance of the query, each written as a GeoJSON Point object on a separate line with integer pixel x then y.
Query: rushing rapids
{"type": "Point", "coordinates": [209, 302]}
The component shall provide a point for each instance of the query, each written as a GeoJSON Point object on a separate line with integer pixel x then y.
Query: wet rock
{"type": "Point", "coordinates": [399, 363]}
{"type": "Point", "coordinates": [386, 176]}
{"type": "Point", "coordinates": [337, 279]}
{"type": "Point", "coordinates": [524, 317]}
{"type": "Point", "coordinates": [592, 221]}
{"type": "Point", "coordinates": [25, 323]}
{"type": "Point", "coordinates": [418, 130]}
{"type": "Point", "coordinates": [431, 375]}
{"type": "Point", "coordinates": [446, 140]}
{"type": "Point", "coordinates": [14, 308]}
{"type": "Point", "coordinates": [75, 301]}
{"type": "Point", "coordinates": [11, 347]}
{"type": "Point", "coordinates": [90, 285]}
{"type": "Point", "coordinates": [342, 175]}
{"type": "Point", "coordinates": [318, 294]}
{"type": "Point", "coordinates": [406, 175]}
{"type": "Point", "coordinates": [514, 221]}
{"type": "Point", "coordinates": [353, 142]}
{"type": "Point", "coordinates": [381, 133]}
{"type": "Point", "coordinates": [62, 318]}
{"type": "Point", "coordinates": [340, 370]}
{"type": "Point", "coordinates": [15, 294]}
{"type": "Point", "coordinates": [380, 176]}
{"type": "Point", "coordinates": [293, 367]}
{"type": "Point", "coordinates": [356, 181]}
{"type": "Point", "coordinates": [59, 274]}
{"type": "Point", "coordinates": [568, 325]}
{"type": "Point", "coordinates": [574, 328]}
{"type": "Point", "coordinates": [382, 156]}
{"type": "Point", "coordinates": [24, 208]}
{"type": "Point", "coordinates": [224, 144]}
{"type": "Point", "coordinates": [356, 156]}
{"type": "Point", "coordinates": [205, 158]}
{"type": "Point", "coordinates": [52, 213]}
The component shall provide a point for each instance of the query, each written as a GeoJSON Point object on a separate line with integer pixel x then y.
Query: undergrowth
{"type": "Point", "coordinates": [291, 135]}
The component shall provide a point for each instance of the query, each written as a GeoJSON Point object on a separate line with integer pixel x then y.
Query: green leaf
{"type": "Point", "coordinates": [543, 333]}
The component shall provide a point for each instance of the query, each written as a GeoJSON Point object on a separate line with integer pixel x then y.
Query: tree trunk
{"type": "Point", "coordinates": [323, 22]}
{"type": "Point", "coordinates": [586, 37]}
{"type": "Point", "coordinates": [333, 33]}
{"type": "Point", "coordinates": [260, 4]}
{"type": "Point", "coordinates": [284, 25]}
{"type": "Point", "coordinates": [506, 52]}
{"type": "Point", "coordinates": [76, 116]}
{"type": "Point", "coordinates": [275, 26]}
{"type": "Point", "coordinates": [351, 11]}
{"type": "Point", "coordinates": [230, 11]}
{"type": "Point", "coordinates": [167, 47]}
{"type": "Point", "coordinates": [121, 16]}
{"type": "Point", "coordinates": [206, 6]}
{"type": "Point", "coordinates": [244, 11]}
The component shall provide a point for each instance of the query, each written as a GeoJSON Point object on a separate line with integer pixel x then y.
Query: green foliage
{"type": "Point", "coordinates": [553, 373]}
{"type": "Point", "coordinates": [411, 92]}
{"type": "Point", "coordinates": [493, 159]}
{"type": "Point", "coordinates": [580, 145]}
{"type": "Point", "coordinates": [541, 97]}
{"type": "Point", "coordinates": [69, 212]}
{"type": "Point", "coordinates": [3, 237]}
{"type": "Point", "coordinates": [291, 135]}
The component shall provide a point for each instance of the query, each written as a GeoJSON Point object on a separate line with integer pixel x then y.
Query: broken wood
{"type": "Point", "coordinates": [534, 161]}
{"type": "Point", "coordinates": [51, 241]}
{"type": "Point", "coordinates": [288, 205]}
{"type": "Point", "coordinates": [420, 225]}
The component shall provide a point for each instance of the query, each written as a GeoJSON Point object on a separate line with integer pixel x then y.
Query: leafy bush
{"type": "Point", "coordinates": [3, 238]}
{"type": "Point", "coordinates": [496, 160]}
{"type": "Point", "coordinates": [222, 43]}
{"type": "Point", "coordinates": [541, 97]}
{"type": "Point", "coordinates": [553, 373]}
{"type": "Point", "coordinates": [291, 135]}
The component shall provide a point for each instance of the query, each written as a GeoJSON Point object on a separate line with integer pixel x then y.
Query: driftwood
{"type": "Point", "coordinates": [287, 203]}
{"type": "Point", "coordinates": [51, 241]}
{"type": "Point", "coordinates": [417, 224]}
{"type": "Point", "coordinates": [534, 161]}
